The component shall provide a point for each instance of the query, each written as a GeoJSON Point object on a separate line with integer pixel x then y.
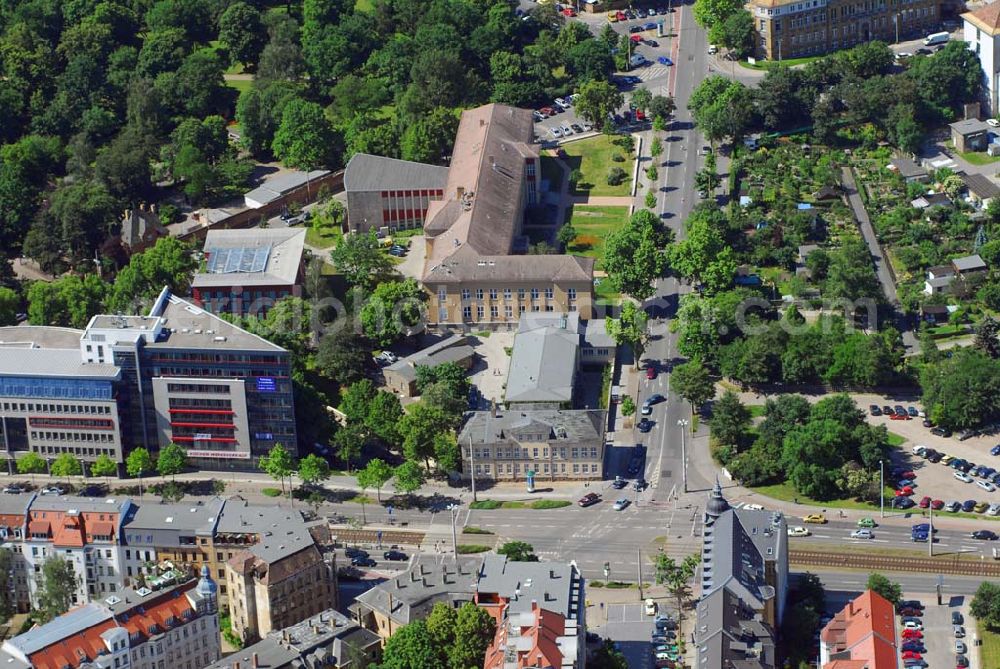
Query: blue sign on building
{"type": "Point", "coordinates": [268, 436]}
{"type": "Point", "coordinates": [266, 384]}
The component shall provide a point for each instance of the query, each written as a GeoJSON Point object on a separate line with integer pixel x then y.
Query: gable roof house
{"type": "Point", "coordinates": [862, 635]}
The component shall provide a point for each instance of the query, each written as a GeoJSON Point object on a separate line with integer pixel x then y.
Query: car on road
{"type": "Point", "coordinates": [663, 60]}
{"type": "Point", "coordinates": [935, 457]}
{"type": "Point", "coordinates": [655, 398]}
{"type": "Point", "coordinates": [867, 522]}
{"type": "Point", "coordinates": [798, 531]}
{"type": "Point", "coordinates": [957, 618]}
{"type": "Point", "coordinates": [968, 505]}
{"type": "Point", "coordinates": [862, 534]}
{"type": "Point", "coordinates": [618, 483]}
{"type": "Point", "coordinates": [911, 613]}
{"type": "Point", "coordinates": [993, 123]}
{"type": "Point", "coordinates": [921, 527]}
{"type": "Point", "coordinates": [960, 647]}
{"type": "Point", "coordinates": [874, 410]}
{"type": "Point", "coordinates": [995, 450]}
{"type": "Point", "coordinates": [52, 490]}
{"type": "Point", "coordinates": [650, 371]}
{"type": "Point", "coordinates": [640, 485]}
{"type": "Point", "coordinates": [919, 537]}
{"type": "Point", "coordinates": [961, 661]}
{"type": "Point", "coordinates": [988, 487]}
{"type": "Point", "coordinates": [635, 29]}
{"type": "Point", "coordinates": [590, 499]}
{"type": "Point", "coordinates": [649, 26]}
{"type": "Point", "coordinates": [620, 504]}
{"type": "Point", "coordinates": [647, 408]}
{"type": "Point", "coordinates": [92, 491]}
{"type": "Point", "coordinates": [963, 477]}
{"type": "Point", "coordinates": [394, 556]}
{"type": "Point", "coordinates": [817, 518]}
{"type": "Point", "coordinates": [941, 432]}
{"type": "Point", "coordinates": [363, 562]}
{"type": "Point", "coordinates": [645, 425]}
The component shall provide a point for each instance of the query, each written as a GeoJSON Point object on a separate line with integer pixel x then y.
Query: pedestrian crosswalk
{"type": "Point", "coordinates": [654, 72]}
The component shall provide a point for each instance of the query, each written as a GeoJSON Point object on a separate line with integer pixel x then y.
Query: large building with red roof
{"type": "Point", "coordinates": [861, 636]}
{"type": "Point", "coordinates": [175, 628]}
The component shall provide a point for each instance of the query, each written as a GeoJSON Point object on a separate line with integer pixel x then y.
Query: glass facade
{"type": "Point", "coordinates": [76, 389]}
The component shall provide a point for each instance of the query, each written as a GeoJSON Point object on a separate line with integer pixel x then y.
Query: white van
{"type": "Point", "coordinates": [936, 38]}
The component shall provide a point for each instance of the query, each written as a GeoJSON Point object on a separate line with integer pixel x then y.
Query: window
{"type": "Point", "coordinates": [520, 293]}
{"type": "Point", "coordinates": [442, 314]}
{"type": "Point", "coordinates": [548, 293]}
{"type": "Point", "coordinates": [508, 311]}
{"type": "Point", "coordinates": [507, 293]}
{"type": "Point", "coordinates": [479, 293]}
{"type": "Point", "coordinates": [466, 294]}
{"type": "Point", "coordinates": [494, 311]}
{"type": "Point", "coordinates": [534, 293]}
{"type": "Point", "coordinates": [571, 293]}
{"type": "Point", "coordinates": [467, 313]}
{"type": "Point", "coordinates": [493, 293]}
{"type": "Point", "coordinates": [442, 294]}
{"type": "Point", "coordinates": [480, 312]}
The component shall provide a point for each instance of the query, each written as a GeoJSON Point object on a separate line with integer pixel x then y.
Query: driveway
{"type": "Point", "coordinates": [412, 266]}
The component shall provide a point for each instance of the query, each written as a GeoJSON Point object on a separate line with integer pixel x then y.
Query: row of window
{"type": "Point", "coordinates": [58, 408]}
{"type": "Point", "coordinates": [508, 311]}
{"type": "Point", "coordinates": [51, 388]}
{"type": "Point", "coordinates": [508, 293]}
{"type": "Point", "coordinates": [515, 468]}
{"type": "Point", "coordinates": [101, 437]}
{"type": "Point", "coordinates": [516, 452]}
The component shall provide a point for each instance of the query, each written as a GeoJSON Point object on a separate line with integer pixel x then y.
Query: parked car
{"type": "Point", "coordinates": [960, 647]}
{"type": "Point", "coordinates": [957, 618]}
{"type": "Point", "coordinates": [618, 483]}
{"type": "Point", "coordinates": [52, 490]}
{"type": "Point", "coordinates": [924, 502]}
{"type": "Point", "coordinates": [903, 502]}
{"type": "Point", "coordinates": [993, 510]}
{"type": "Point", "coordinates": [963, 477]}
{"type": "Point", "coordinates": [961, 661]}
{"type": "Point", "coordinates": [988, 487]}
{"type": "Point", "coordinates": [913, 412]}
{"type": "Point", "coordinates": [875, 410]}
{"type": "Point", "coordinates": [941, 432]}
{"type": "Point", "coordinates": [968, 505]}
{"type": "Point", "coordinates": [650, 371]}
{"type": "Point", "coordinates": [937, 504]}
{"type": "Point", "coordinates": [958, 631]}
{"type": "Point", "coordinates": [589, 499]}
{"type": "Point", "coordinates": [995, 450]}
{"type": "Point", "coordinates": [13, 489]}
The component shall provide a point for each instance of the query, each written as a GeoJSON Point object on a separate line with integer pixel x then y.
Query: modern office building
{"type": "Point", "coordinates": [247, 271]}
{"type": "Point", "coordinates": [328, 639]}
{"type": "Point", "coordinates": [744, 585]}
{"type": "Point", "coordinates": [540, 610]}
{"type": "Point", "coordinates": [554, 444]}
{"type": "Point", "coordinates": [280, 570]}
{"type": "Point", "coordinates": [387, 194]}
{"type": "Point", "coordinates": [796, 28]}
{"type": "Point", "coordinates": [175, 628]}
{"type": "Point", "coordinates": [476, 268]}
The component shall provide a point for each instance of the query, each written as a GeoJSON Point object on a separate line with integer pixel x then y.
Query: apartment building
{"type": "Point", "coordinates": [13, 512]}
{"type": "Point", "coordinates": [862, 634]}
{"type": "Point", "coordinates": [540, 611]}
{"type": "Point", "coordinates": [554, 444]}
{"type": "Point", "coordinates": [181, 534]}
{"type": "Point", "coordinates": [387, 194]}
{"type": "Point", "coordinates": [84, 531]}
{"type": "Point", "coordinates": [247, 271]}
{"type": "Point", "coordinates": [175, 628]}
{"type": "Point", "coordinates": [280, 570]}
{"type": "Point", "coordinates": [328, 639]}
{"type": "Point", "coordinates": [744, 585]}
{"type": "Point", "coordinates": [52, 401]}
{"type": "Point", "coordinates": [796, 28]}
{"type": "Point", "coordinates": [981, 31]}
{"type": "Point", "coordinates": [476, 271]}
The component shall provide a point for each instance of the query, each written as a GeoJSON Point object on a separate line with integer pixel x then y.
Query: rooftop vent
{"type": "Point", "coordinates": [170, 519]}
{"type": "Point", "coordinates": [112, 600]}
{"type": "Point", "coordinates": [143, 592]}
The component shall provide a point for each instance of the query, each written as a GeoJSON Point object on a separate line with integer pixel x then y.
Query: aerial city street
{"type": "Point", "coordinates": [408, 334]}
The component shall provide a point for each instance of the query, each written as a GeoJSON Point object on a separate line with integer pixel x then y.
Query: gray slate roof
{"type": "Point", "coordinates": [466, 264]}
{"type": "Point", "coordinates": [449, 349]}
{"type": "Point", "coordinates": [414, 592]}
{"type": "Point", "coordinates": [71, 622]}
{"type": "Point", "coordinates": [283, 261]}
{"type": "Point", "coordinates": [274, 188]}
{"type": "Point", "coordinates": [555, 586]}
{"type": "Point", "coordinates": [365, 172]}
{"type": "Point", "coordinates": [283, 532]}
{"type": "Point", "coordinates": [969, 126]}
{"type": "Point", "coordinates": [51, 363]}
{"type": "Point", "coordinates": [198, 518]}
{"type": "Point", "coordinates": [907, 168]}
{"type": "Point", "coordinates": [971, 263]}
{"type": "Point", "coordinates": [981, 186]}
{"type": "Point", "coordinates": [543, 366]}
{"type": "Point", "coordinates": [202, 329]}
{"type": "Point", "coordinates": [40, 336]}
{"type": "Point", "coordinates": [726, 631]}
{"type": "Point", "coordinates": [481, 427]}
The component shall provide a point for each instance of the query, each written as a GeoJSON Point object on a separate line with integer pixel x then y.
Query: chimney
{"type": "Point", "coordinates": [236, 664]}
{"type": "Point", "coordinates": [255, 661]}
{"type": "Point", "coordinates": [552, 574]}
{"type": "Point", "coordinates": [459, 192]}
{"type": "Point", "coordinates": [482, 122]}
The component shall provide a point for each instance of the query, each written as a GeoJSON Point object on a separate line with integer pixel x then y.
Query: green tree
{"type": "Point", "coordinates": [375, 475]}
{"type": "Point", "coordinates": [730, 419]}
{"type": "Point", "coordinates": [409, 477]}
{"type": "Point", "coordinates": [692, 381]}
{"type": "Point", "coordinates": [360, 259]}
{"type": "Point", "coordinates": [384, 414]}
{"type": "Point", "coordinates": [890, 590]}
{"type": "Point", "coordinates": [630, 329]}
{"type": "Point", "coordinates": [349, 441]}
{"type": "Point", "coordinates": [395, 307]}
{"type": "Point", "coordinates": [641, 98]}
{"type": "Point", "coordinates": [518, 551]}
{"type": "Point", "coordinates": [66, 465]}
{"type": "Point", "coordinates": [736, 34]}
{"type": "Point", "coordinates": [711, 14]}
{"type": "Point", "coordinates": [171, 461]}
{"type": "Point", "coordinates": [985, 604]}
{"type": "Point", "coordinates": [567, 233]}
{"type": "Point", "coordinates": [313, 470]}
{"type": "Point", "coordinates": [57, 586]}
{"type": "Point", "coordinates": [304, 139]}
{"type": "Point", "coordinates": [412, 647]}
{"type": "Point", "coordinates": [655, 147]}
{"type": "Point", "coordinates": [597, 99]}
{"type": "Point", "coordinates": [962, 391]}
{"type": "Point", "coordinates": [677, 578]}
{"type": "Point", "coordinates": [31, 463]}
{"type": "Point", "coordinates": [278, 464]}
{"type": "Point", "coordinates": [474, 631]}
{"type": "Point", "coordinates": [242, 30]}
{"type": "Point", "coordinates": [419, 429]}
{"type": "Point", "coordinates": [10, 304]}
{"type": "Point", "coordinates": [633, 257]}
{"type": "Point", "coordinates": [721, 107]}
{"type": "Point", "coordinates": [441, 624]}
{"type": "Point", "coordinates": [168, 263]}
{"type": "Point", "coordinates": [661, 107]}
{"type": "Point", "coordinates": [137, 463]}
{"type": "Point", "coordinates": [259, 110]}
{"type": "Point", "coordinates": [650, 200]}
{"type": "Point", "coordinates": [103, 466]}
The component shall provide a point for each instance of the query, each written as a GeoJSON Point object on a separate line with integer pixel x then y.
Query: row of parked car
{"type": "Point", "coordinates": [987, 478]}
{"type": "Point", "coordinates": [640, 13]}
{"type": "Point", "coordinates": [663, 643]}
{"type": "Point", "coordinates": [913, 648]}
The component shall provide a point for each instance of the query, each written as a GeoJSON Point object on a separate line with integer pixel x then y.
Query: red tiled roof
{"type": "Point", "coordinates": [866, 628]}
{"type": "Point", "coordinates": [102, 528]}
{"type": "Point", "coordinates": [986, 17]}
{"type": "Point", "coordinates": [38, 527]}
{"type": "Point", "coordinates": [544, 634]}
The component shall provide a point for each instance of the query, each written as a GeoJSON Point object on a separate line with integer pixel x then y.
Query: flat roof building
{"type": "Point", "coordinates": [280, 186]}
{"type": "Point", "coordinates": [247, 271]}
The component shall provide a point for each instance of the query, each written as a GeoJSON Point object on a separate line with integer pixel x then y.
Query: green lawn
{"type": "Point", "coordinates": [896, 440]}
{"type": "Point", "coordinates": [978, 158]}
{"type": "Point", "coordinates": [788, 62]}
{"type": "Point", "coordinates": [364, 6]}
{"type": "Point", "coordinates": [990, 653]}
{"type": "Point", "coordinates": [592, 224]}
{"type": "Point", "coordinates": [604, 291]}
{"type": "Point", "coordinates": [592, 157]}
{"type": "Point", "coordinates": [239, 84]}
{"type": "Point", "coordinates": [323, 238]}
{"type": "Point", "coordinates": [786, 492]}
{"type": "Point", "coordinates": [757, 410]}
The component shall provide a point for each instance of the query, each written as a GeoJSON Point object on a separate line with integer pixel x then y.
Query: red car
{"type": "Point", "coordinates": [636, 39]}
{"type": "Point", "coordinates": [569, 11]}
{"type": "Point", "coordinates": [650, 372]}
{"type": "Point", "coordinates": [937, 504]}
{"type": "Point", "coordinates": [621, 16]}
{"type": "Point", "coordinates": [905, 491]}
{"type": "Point", "coordinates": [908, 475]}
{"type": "Point", "coordinates": [639, 115]}
{"type": "Point", "coordinates": [924, 502]}
{"type": "Point", "coordinates": [546, 111]}
{"type": "Point", "coordinates": [912, 655]}
{"type": "Point", "coordinates": [913, 634]}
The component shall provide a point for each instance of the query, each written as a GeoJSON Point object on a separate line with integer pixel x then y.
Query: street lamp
{"type": "Point", "coordinates": [881, 488]}
{"type": "Point", "coordinates": [455, 509]}
{"type": "Point", "coordinates": [684, 460]}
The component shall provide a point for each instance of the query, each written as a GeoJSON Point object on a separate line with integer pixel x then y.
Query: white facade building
{"type": "Point", "coordinates": [981, 30]}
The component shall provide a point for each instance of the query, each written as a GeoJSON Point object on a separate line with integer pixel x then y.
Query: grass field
{"type": "Point", "coordinates": [979, 158]}
{"type": "Point", "coordinates": [324, 237]}
{"type": "Point", "coordinates": [896, 440]}
{"type": "Point", "coordinates": [787, 62]}
{"type": "Point", "coordinates": [592, 157]}
{"type": "Point", "coordinates": [990, 653]}
{"type": "Point", "coordinates": [787, 493]}
{"type": "Point", "coordinates": [239, 84]}
{"type": "Point", "coordinates": [364, 6]}
{"type": "Point", "coordinates": [592, 224]}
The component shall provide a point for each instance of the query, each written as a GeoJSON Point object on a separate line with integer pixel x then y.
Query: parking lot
{"type": "Point", "coordinates": [630, 627]}
{"type": "Point", "coordinates": [939, 639]}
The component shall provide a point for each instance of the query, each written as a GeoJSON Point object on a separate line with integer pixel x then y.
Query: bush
{"type": "Point", "coordinates": [618, 158]}
{"type": "Point", "coordinates": [575, 177]}
{"type": "Point", "coordinates": [469, 549]}
{"type": "Point", "coordinates": [596, 584]}
{"type": "Point", "coordinates": [628, 406]}
{"type": "Point", "coordinates": [618, 585]}
{"type": "Point", "coordinates": [652, 173]}
{"type": "Point", "coordinates": [475, 530]}
{"type": "Point", "coordinates": [271, 492]}
{"type": "Point", "coordinates": [549, 504]}
{"type": "Point", "coordinates": [616, 176]}
{"type": "Point", "coordinates": [485, 504]}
